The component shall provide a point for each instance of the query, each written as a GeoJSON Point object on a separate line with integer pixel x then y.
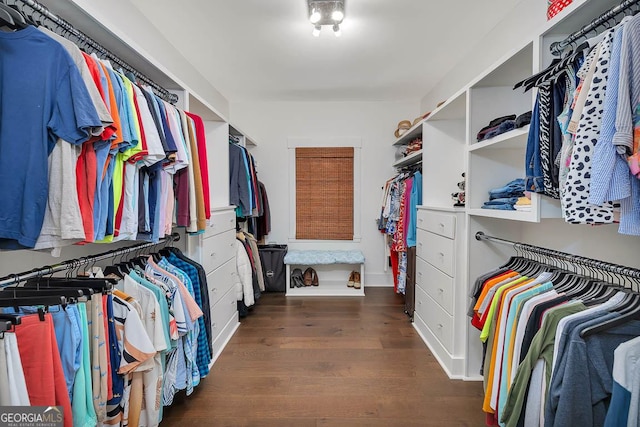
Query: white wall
{"type": "Point", "coordinates": [513, 31]}
{"type": "Point", "coordinates": [272, 123]}
{"type": "Point", "coordinates": [135, 30]}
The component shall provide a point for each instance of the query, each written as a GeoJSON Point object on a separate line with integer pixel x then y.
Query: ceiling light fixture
{"type": "Point", "coordinates": [326, 12]}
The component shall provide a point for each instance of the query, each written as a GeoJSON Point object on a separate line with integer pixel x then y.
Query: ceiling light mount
{"type": "Point", "coordinates": [326, 12]}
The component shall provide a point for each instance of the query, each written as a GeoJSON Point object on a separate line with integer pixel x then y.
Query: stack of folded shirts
{"type": "Point", "coordinates": [523, 204]}
{"type": "Point", "coordinates": [505, 197]}
{"type": "Point", "coordinates": [503, 125]}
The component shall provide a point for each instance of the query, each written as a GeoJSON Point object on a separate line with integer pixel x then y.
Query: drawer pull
{"type": "Point", "coordinates": [420, 273]}
{"type": "Point", "coordinates": [213, 254]}
{"type": "Point", "coordinates": [213, 325]}
{"type": "Point", "coordinates": [440, 290]}
{"type": "Point", "coordinates": [441, 225]}
{"type": "Point", "coordinates": [439, 325]}
{"type": "Point", "coordinates": [420, 219]}
{"type": "Point", "coordinates": [233, 302]}
{"type": "Point", "coordinates": [420, 302]}
{"type": "Point", "coordinates": [214, 290]}
{"type": "Point", "coordinates": [441, 254]}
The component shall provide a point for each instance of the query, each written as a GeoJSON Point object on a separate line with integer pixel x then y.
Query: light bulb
{"type": "Point", "coordinates": [337, 15]}
{"type": "Point", "coordinates": [316, 31]}
{"type": "Point", "coordinates": [336, 30]}
{"type": "Point", "coordinates": [315, 16]}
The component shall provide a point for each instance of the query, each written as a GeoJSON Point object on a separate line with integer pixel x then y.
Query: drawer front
{"type": "Point", "coordinates": [221, 280]}
{"type": "Point", "coordinates": [221, 221]}
{"type": "Point", "coordinates": [222, 312]}
{"type": "Point", "coordinates": [217, 250]}
{"type": "Point", "coordinates": [436, 284]}
{"type": "Point", "coordinates": [440, 223]}
{"type": "Point", "coordinates": [437, 320]}
{"type": "Point", "coordinates": [439, 252]}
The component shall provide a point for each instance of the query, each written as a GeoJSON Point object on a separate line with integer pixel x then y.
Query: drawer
{"type": "Point", "coordinates": [438, 321]}
{"type": "Point", "coordinates": [224, 335]}
{"type": "Point", "coordinates": [436, 284]}
{"type": "Point", "coordinates": [222, 312]}
{"type": "Point", "coordinates": [221, 221]}
{"type": "Point", "coordinates": [440, 223]}
{"type": "Point", "coordinates": [218, 249]}
{"type": "Point", "coordinates": [221, 280]}
{"type": "Point", "coordinates": [437, 251]}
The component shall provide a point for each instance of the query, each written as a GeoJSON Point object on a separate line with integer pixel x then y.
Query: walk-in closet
{"type": "Point", "coordinates": [319, 213]}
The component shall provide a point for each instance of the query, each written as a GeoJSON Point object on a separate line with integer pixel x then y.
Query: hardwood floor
{"type": "Point", "coordinates": [328, 361]}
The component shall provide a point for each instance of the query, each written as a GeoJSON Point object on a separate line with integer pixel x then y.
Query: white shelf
{"type": "Point", "coordinates": [411, 159]}
{"type": "Point", "coordinates": [516, 138]}
{"type": "Point", "coordinates": [512, 215]}
{"type": "Point", "coordinates": [455, 108]}
{"type": "Point", "coordinates": [326, 288]}
{"type": "Point", "coordinates": [409, 135]}
{"type": "Point", "coordinates": [507, 71]}
{"type": "Point", "coordinates": [248, 141]}
{"type": "Point", "coordinates": [453, 209]}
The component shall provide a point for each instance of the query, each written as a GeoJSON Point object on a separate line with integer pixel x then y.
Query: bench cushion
{"type": "Point", "coordinates": [323, 257]}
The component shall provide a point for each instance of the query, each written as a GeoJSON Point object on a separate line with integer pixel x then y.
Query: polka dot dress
{"type": "Point", "coordinates": [577, 209]}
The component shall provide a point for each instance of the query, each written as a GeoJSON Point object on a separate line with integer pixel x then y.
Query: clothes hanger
{"type": "Point", "coordinates": [44, 300]}
{"type": "Point", "coordinates": [96, 284]}
{"type": "Point", "coordinates": [632, 313]}
{"type": "Point", "coordinates": [15, 292]}
{"type": "Point", "coordinates": [6, 20]}
{"type": "Point", "coordinates": [15, 319]}
{"type": "Point", "coordinates": [19, 21]}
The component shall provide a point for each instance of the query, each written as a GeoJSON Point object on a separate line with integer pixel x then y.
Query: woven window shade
{"type": "Point", "coordinates": [324, 193]}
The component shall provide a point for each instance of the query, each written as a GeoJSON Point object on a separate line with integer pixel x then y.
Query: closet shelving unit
{"type": "Point", "coordinates": [245, 140]}
{"type": "Point", "coordinates": [448, 257]}
{"type": "Point", "coordinates": [416, 157]}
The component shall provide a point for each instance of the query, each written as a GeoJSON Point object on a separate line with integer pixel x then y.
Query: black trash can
{"type": "Point", "coordinates": [275, 272]}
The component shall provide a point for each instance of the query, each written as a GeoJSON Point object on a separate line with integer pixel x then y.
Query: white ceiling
{"type": "Point", "coordinates": [263, 49]}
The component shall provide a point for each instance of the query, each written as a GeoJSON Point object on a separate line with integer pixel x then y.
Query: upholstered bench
{"type": "Point", "coordinates": [324, 261]}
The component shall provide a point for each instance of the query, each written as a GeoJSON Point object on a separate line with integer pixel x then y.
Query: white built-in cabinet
{"type": "Point", "coordinates": [448, 257]}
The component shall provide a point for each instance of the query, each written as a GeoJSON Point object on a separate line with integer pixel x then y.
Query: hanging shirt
{"type": "Point", "coordinates": [49, 100]}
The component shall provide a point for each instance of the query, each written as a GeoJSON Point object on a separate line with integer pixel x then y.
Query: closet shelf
{"type": "Point", "coordinates": [414, 132]}
{"type": "Point", "coordinates": [516, 138]}
{"type": "Point", "coordinates": [411, 159]}
{"type": "Point", "coordinates": [454, 108]}
{"type": "Point", "coordinates": [511, 215]}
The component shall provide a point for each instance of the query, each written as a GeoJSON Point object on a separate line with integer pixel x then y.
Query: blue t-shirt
{"type": "Point", "coordinates": [43, 98]}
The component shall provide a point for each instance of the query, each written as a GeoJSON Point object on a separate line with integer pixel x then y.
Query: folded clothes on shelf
{"type": "Point", "coordinates": [523, 119]}
{"type": "Point", "coordinates": [513, 188]}
{"type": "Point", "coordinates": [493, 124]}
{"type": "Point", "coordinates": [503, 125]}
{"type": "Point", "coordinates": [505, 197]}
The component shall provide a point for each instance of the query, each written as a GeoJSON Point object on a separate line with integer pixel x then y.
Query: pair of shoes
{"type": "Point", "coordinates": [354, 280]}
{"type": "Point", "coordinates": [310, 277]}
{"type": "Point", "coordinates": [297, 280]}
{"type": "Point", "coordinates": [351, 279]}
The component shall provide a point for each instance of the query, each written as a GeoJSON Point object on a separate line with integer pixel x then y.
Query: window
{"type": "Point", "coordinates": [324, 193]}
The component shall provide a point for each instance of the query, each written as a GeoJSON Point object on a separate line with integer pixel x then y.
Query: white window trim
{"type": "Point", "coordinates": [356, 143]}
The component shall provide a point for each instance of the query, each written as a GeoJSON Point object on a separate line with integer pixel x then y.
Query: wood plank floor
{"type": "Point", "coordinates": [328, 362]}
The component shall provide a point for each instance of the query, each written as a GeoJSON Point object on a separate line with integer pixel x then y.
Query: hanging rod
{"type": "Point", "coordinates": [75, 263]}
{"type": "Point", "coordinates": [95, 46]}
{"type": "Point", "coordinates": [564, 256]}
{"type": "Point", "coordinates": [558, 47]}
